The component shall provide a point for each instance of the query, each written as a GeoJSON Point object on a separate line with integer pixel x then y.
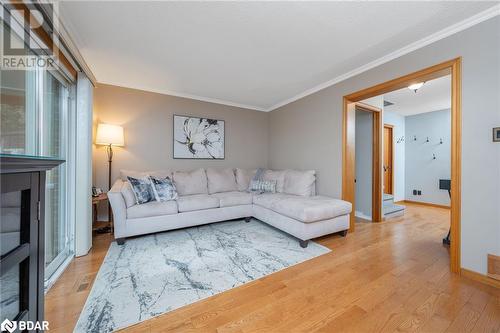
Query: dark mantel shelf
{"type": "Point", "coordinates": [25, 163]}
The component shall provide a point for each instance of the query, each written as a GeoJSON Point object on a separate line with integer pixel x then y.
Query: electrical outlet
{"type": "Point", "coordinates": [414, 192]}
{"type": "Point", "coordinates": [419, 192]}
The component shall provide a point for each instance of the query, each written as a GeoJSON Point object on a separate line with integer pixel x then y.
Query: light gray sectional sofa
{"type": "Point", "coordinates": [214, 195]}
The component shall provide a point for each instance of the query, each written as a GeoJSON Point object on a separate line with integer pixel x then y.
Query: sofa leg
{"type": "Point", "coordinates": [248, 219]}
{"type": "Point", "coordinates": [303, 243]}
{"type": "Point", "coordinates": [343, 233]}
{"type": "Point", "coordinates": [120, 241]}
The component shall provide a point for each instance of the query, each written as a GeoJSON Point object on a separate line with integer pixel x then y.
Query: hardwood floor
{"type": "Point", "coordinates": [385, 277]}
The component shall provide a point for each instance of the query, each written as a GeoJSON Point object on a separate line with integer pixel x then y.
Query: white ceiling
{"type": "Point", "coordinates": [433, 96]}
{"type": "Point", "coordinates": [253, 54]}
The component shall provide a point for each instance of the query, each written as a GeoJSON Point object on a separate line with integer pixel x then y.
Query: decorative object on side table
{"type": "Point", "coordinates": [109, 136]}
{"type": "Point", "coordinates": [198, 138]}
{"type": "Point", "coordinates": [496, 134]}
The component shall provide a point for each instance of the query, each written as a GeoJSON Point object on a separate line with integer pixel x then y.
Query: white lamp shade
{"type": "Point", "coordinates": [109, 135]}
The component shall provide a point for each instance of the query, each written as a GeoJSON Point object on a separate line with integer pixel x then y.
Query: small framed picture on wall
{"type": "Point", "coordinates": [496, 134]}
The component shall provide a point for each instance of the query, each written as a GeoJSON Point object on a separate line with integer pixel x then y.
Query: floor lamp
{"type": "Point", "coordinates": [109, 135]}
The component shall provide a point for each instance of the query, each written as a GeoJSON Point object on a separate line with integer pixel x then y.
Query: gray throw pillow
{"type": "Point", "coordinates": [143, 190]}
{"type": "Point", "coordinates": [163, 189]}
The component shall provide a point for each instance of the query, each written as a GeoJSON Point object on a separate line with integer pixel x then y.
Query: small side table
{"type": "Point", "coordinates": [103, 197]}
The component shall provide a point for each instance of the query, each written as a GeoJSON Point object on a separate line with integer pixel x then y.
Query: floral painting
{"type": "Point", "coordinates": [198, 138]}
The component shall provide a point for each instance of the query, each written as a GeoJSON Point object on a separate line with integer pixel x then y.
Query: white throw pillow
{"type": "Point", "coordinates": [276, 175]}
{"type": "Point", "coordinates": [299, 182]}
{"type": "Point", "coordinates": [191, 182]}
{"type": "Point", "coordinates": [243, 178]}
{"type": "Point", "coordinates": [221, 180]}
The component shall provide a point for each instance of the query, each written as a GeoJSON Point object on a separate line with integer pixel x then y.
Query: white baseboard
{"type": "Point", "coordinates": [362, 216]}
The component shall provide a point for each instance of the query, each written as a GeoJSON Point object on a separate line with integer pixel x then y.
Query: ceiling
{"type": "Point", "coordinates": [434, 95]}
{"type": "Point", "coordinates": [258, 55]}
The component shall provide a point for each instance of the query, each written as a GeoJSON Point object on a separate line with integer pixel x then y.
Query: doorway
{"type": "Point", "coordinates": [388, 159]}
{"type": "Point", "coordinates": [452, 68]}
{"type": "Point", "coordinates": [368, 162]}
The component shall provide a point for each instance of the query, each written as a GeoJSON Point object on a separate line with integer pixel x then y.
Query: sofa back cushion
{"type": "Point", "coordinates": [191, 182]}
{"type": "Point", "coordinates": [141, 174]}
{"type": "Point", "coordinates": [221, 180]}
{"type": "Point", "coordinates": [275, 175]}
{"type": "Point", "coordinates": [243, 178]}
{"type": "Point", "coordinates": [299, 182]}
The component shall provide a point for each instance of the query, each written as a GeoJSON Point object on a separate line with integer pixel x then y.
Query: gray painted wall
{"type": "Point", "coordinates": [422, 171]}
{"type": "Point", "coordinates": [364, 156]}
{"type": "Point", "coordinates": [307, 134]}
{"type": "Point", "coordinates": [398, 121]}
{"type": "Point", "coordinates": [147, 120]}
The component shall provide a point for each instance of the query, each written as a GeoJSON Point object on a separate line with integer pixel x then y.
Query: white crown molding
{"type": "Point", "coordinates": [189, 96]}
{"type": "Point", "coordinates": [453, 29]}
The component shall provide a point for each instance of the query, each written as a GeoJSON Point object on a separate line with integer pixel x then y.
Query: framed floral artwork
{"type": "Point", "coordinates": [198, 138]}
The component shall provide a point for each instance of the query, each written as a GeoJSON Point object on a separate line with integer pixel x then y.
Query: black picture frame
{"type": "Point", "coordinates": [496, 134]}
{"type": "Point", "coordinates": [197, 158]}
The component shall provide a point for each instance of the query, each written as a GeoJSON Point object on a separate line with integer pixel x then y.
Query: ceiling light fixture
{"type": "Point", "coordinates": [416, 86]}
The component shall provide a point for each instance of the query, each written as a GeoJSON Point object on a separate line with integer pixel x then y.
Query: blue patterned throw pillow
{"type": "Point", "coordinates": [163, 189]}
{"type": "Point", "coordinates": [143, 190]}
{"type": "Point", "coordinates": [263, 186]}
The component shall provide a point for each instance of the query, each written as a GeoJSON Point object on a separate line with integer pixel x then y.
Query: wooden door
{"type": "Point", "coordinates": [388, 158]}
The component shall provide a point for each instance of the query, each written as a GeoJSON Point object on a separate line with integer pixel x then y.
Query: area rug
{"type": "Point", "coordinates": [154, 274]}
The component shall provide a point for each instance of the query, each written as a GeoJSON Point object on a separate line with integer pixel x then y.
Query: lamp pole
{"type": "Point", "coordinates": [109, 152]}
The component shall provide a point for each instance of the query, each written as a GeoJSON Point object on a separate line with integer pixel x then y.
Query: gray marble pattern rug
{"type": "Point", "coordinates": [154, 274]}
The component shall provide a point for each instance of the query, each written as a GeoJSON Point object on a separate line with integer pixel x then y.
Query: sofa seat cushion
{"type": "Point", "coordinates": [153, 208]}
{"type": "Point", "coordinates": [304, 209]}
{"type": "Point", "coordinates": [189, 203]}
{"type": "Point", "coordinates": [268, 200]}
{"type": "Point", "coordinates": [234, 198]}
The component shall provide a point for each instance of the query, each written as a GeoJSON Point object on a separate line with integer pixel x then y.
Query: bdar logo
{"type": "Point", "coordinates": [8, 326]}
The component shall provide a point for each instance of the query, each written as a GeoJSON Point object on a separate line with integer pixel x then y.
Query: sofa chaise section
{"type": "Point", "coordinates": [304, 217]}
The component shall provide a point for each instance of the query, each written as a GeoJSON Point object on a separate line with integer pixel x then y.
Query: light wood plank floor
{"type": "Point", "coordinates": [392, 276]}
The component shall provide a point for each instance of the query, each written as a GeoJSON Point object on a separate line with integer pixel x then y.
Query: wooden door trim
{"type": "Point", "coordinates": [392, 156]}
{"type": "Point", "coordinates": [452, 67]}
